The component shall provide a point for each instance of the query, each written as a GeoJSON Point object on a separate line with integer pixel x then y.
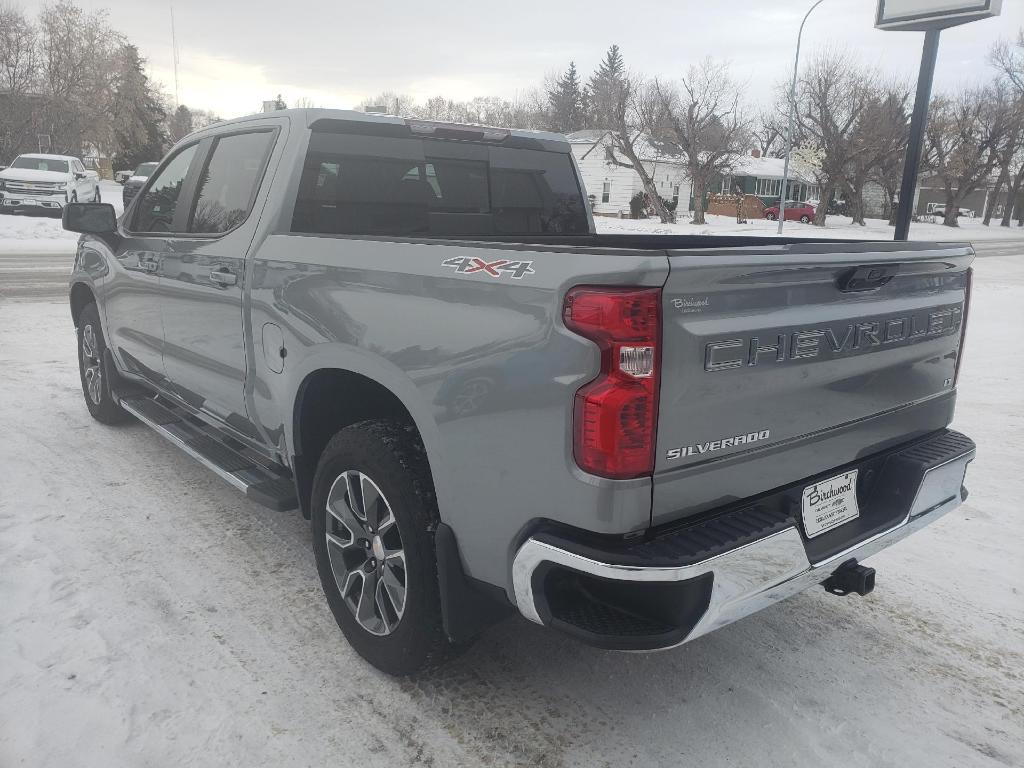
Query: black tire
{"type": "Point", "coordinates": [771, 217]}
{"type": "Point", "coordinates": [805, 219]}
{"type": "Point", "coordinates": [392, 456]}
{"type": "Point", "coordinates": [73, 198]}
{"type": "Point", "coordinates": [98, 398]}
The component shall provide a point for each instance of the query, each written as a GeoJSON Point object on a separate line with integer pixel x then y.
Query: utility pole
{"type": "Point", "coordinates": [789, 127]}
{"type": "Point", "coordinates": [174, 50]}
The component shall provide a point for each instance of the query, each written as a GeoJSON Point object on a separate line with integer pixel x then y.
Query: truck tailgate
{"type": "Point", "coordinates": [781, 362]}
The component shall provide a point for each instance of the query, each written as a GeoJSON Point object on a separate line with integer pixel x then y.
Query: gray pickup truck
{"type": "Point", "coordinates": [411, 332]}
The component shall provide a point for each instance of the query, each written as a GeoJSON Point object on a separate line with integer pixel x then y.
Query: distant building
{"type": "Point", "coordinates": [931, 192]}
{"type": "Point", "coordinates": [762, 177]}
{"type": "Point", "coordinates": [610, 186]}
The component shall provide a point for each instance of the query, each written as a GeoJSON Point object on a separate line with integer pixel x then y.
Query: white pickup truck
{"type": "Point", "coordinates": [46, 182]}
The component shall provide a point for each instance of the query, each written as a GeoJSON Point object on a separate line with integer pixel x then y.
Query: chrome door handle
{"type": "Point", "coordinates": [223, 277]}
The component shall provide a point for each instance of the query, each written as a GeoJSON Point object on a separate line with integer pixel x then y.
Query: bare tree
{"type": "Point", "coordinates": [960, 144]}
{"type": "Point", "coordinates": [79, 58]}
{"type": "Point", "coordinates": [831, 98]}
{"type": "Point", "coordinates": [704, 117]}
{"type": "Point", "coordinates": [769, 133]}
{"type": "Point", "coordinates": [1006, 110]}
{"type": "Point", "coordinates": [877, 144]}
{"type": "Point", "coordinates": [1008, 59]}
{"type": "Point", "coordinates": [19, 72]}
{"type": "Point", "coordinates": [19, 62]}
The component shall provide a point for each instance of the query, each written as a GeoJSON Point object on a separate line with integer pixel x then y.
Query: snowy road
{"type": "Point", "coordinates": [151, 616]}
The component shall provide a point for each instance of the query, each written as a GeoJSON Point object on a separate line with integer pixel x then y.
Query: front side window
{"type": "Point", "coordinates": [406, 187]}
{"type": "Point", "coordinates": [156, 209]}
{"type": "Point", "coordinates": [228, 184]}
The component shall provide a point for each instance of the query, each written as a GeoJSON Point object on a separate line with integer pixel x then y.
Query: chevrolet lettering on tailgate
{"type": "Point", "coordinates": [782, 346]}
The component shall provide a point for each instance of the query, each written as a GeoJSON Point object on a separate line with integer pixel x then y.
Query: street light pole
{"type": "Point", "coordinates": [789, 127]}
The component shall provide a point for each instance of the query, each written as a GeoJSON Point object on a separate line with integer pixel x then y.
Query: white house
{"type": "Point", "coordinates": [611, 186]}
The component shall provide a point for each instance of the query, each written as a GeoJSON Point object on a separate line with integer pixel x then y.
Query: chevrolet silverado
{"type": "Point", "coordinates": [411, 332]}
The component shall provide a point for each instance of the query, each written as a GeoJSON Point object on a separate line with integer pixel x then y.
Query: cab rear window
{"type": "Point", "coordinates": [406, 187]}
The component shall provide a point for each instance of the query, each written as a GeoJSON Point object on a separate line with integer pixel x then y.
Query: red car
{"type": "Point", "coordinates": [794, 212]}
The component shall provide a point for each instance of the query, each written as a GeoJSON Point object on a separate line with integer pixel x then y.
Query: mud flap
{"type": "Point", "coordinates": [468, 606]}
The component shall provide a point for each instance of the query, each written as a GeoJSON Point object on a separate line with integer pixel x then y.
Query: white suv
{"type": "Point", "coordinates": [46, 182]}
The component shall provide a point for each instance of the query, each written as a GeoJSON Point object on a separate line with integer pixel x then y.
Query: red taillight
{"type": "Point", "coordinates": [615, 414]}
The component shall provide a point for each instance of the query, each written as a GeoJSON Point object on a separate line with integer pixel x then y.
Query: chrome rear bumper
{"type": "Point", "coordinates": [749, 577]}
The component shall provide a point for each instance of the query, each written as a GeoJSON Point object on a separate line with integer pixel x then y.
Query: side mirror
{"type": "Point", "coordinates": [79, 175]}
{"type": "Point", "coordinates": [90, 218]}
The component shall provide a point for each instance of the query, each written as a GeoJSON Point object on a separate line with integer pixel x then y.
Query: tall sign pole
{"type": "Point", "coordinates": [915, 142]}
{"type": "Point", "coordinates": [923, 16]}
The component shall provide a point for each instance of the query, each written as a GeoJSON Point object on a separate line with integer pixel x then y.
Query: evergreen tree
{"type": "Point", "coordinates": [607, 88]}
{"type": "Point", "coordinates": [181, 123]}
{"type": "Point", "coordinates": [568, 99]}
{"type": "Point", "coordinates": [137, 113]}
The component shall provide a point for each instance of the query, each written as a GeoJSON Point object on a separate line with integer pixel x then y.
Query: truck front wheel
{"type": "Point", "coordinates": [95, 383]}
{"type": "Point", "coordinates": [373, 518]}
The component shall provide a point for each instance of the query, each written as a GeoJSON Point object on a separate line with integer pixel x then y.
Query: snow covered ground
{"type": "Point", "coordinates": [835, 226]}
{"type": "Point", "coordinates": [35, 233]}
{"type": "Point", "coordinates": [152, 616]}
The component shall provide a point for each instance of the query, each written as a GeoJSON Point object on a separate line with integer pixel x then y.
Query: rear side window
{"type": "Point", "coordinates": [405, 187]}
{"type": "Point", "coordinates": [155, 211]}
{"type": "Point", "coordinates": [228, 183]}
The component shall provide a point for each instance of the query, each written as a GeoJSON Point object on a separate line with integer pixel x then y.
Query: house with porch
{"type": "Point", "coordinates": [610, 186]}
{"type": "Point", "coordinates": [762, 177]}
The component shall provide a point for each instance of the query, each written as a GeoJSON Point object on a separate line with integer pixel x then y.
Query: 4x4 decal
{"type": "Point", "coordinates": [467, 265]}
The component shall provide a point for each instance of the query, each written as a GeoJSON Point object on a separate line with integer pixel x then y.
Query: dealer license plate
{"type": "Point", "coordinates": [830, 503]}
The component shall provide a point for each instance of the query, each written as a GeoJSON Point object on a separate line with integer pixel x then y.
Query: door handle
{"type": "Point", "coordinates": [867, 278]}
{"type": "Point", "coordinates": [148, 264]}
{"type": "Point", "coordinates": [223, 277]}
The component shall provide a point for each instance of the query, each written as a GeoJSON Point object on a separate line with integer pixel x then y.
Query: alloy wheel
{"type": "Point", "coordinates": [366, 554]}
{"type": "Point", "coordinates": [92, 371]}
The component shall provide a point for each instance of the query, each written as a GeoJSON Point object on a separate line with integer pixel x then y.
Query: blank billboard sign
{"type": "Point", "coordinates": [933, 14]}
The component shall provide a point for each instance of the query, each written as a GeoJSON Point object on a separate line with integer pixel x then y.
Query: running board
{"type": "Point", "coordinates": [260, 480]}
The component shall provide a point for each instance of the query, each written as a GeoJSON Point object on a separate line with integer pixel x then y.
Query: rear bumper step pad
{"type": "Point", "coordinates": [687, 582]}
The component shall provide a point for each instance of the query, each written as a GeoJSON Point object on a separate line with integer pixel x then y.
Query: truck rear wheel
{"type": "Point", "coordinates": [373, 518]}
{"type": "Point", "coordinates": [95, 384]}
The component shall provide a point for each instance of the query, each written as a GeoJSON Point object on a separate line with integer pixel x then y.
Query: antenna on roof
{"type": "Point", "coordinates": [174, 48]}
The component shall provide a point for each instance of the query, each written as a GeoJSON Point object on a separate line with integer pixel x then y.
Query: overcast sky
{"type": "Point", "coordinates": [236, 53]}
